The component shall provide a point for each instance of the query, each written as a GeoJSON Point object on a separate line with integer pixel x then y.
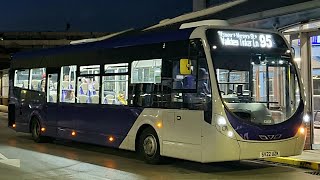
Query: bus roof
{"type": "Point", "coordinates": [134, 38]}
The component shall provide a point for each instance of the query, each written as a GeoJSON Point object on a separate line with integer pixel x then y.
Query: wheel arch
{"type": "Point", "coordinates": [34, 115]}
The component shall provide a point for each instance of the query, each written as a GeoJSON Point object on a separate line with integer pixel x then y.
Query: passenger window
{"type": "Point", "coordinates": [52, 88]}
{"type": "Point", "coordinates": [38, 79]}
{"type": "Point", "coordinates": [115, 89]}
{"type": "Point", "coordinates": [116, 68]}
{"type": "Point", "coordinates": [146, 71]}
{"type": "Point", "coordinates": [115, 84]}
{"type": "Point", "coordinates": [88, 89]}
{"type": "Point", "coordinates": [93, 69]}
{"type": "Point", "coordinates": [21, 78]}
{"type": "Point", "coordinates": [67, 85]}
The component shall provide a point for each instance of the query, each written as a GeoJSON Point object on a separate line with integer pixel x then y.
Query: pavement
{"type": "Point", "coordinates": [309, 159]}
{"type": "Point", "coordinates": [3, 108]}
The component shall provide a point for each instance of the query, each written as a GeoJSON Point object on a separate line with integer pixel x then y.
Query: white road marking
{"type": "Point", "coordinates": [10, 162]}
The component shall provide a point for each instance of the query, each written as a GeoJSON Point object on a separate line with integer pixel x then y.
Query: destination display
{"type": "Point", "coordinates": [246, 39]}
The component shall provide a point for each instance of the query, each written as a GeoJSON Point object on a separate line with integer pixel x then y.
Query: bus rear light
{"type": "Point", "coordinates": [302, 130]}
{"type": "Point", "coordinates": [43, 129]}
{"type": "Point", "coordinates": [73, 133]}
{"type": "Point", "coordinates": [111, 139]}
{"type": "Point", "coordinates": [14, 125]}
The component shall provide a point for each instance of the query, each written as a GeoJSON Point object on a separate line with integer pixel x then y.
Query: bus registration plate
{"type": "Point", "coordinates": [266, 154]}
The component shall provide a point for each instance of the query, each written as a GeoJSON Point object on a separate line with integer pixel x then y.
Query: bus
{"type": "Point", "coordinates": [203, 91]}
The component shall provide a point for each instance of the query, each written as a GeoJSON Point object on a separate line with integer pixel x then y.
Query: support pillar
{"type": "Point", "coordinates": [306, 75]}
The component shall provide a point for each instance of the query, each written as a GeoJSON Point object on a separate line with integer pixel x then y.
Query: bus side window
{"type": "Point", "coordinates": [52, 88]}
{"type": "Point", "coordinates": [88, 89]}
{"type": "Point", "coordinates": [38, 79]}
{"type": "Point", "coordinates": [21, 78]}
{"type": "Point", "coordinates": [115, 84]}
{"type": "Point", "coordinates": [67, 84]}
{"type": "Point", "coordinates": [145, 76]}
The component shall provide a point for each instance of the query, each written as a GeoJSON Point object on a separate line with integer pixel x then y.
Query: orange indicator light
{"type": "Point", "coordinates": [301, 130]}
{"type": "Point", "coordinates": [73, 133]}
{"type": "Point", "coordinates": [111, 139]}
{"type": "Point", "coordinates": [13, 125]}
{"type": "Point", "coordinates": [43, 129]}
{"type": "Point", "coordinates": [159, 125]}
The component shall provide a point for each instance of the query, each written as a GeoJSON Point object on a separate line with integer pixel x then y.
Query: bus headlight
{"type": "Point", "coordinates": [221, 121]}
{"type": "Point", "coordinates": [306, 118]}
{"type": "Point", "coordinates": [230, 134]}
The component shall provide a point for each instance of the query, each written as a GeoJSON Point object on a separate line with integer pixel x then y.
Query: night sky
{"type": "Point", "coordinates": [87, 15]}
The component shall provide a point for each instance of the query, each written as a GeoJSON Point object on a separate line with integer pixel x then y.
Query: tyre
{"type": "Point", "coordinates": [149, 146]}
{"type": "Point", "coordinates": [36, 131]}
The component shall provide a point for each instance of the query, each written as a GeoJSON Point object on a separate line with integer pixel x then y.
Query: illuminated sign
{"type": "Point", "coordinates": [246, 39]}
{"type": "Point", "coordinates": [315, 40]}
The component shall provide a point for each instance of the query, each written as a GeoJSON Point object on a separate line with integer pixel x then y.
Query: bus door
{"type": "Point", "coordinates": [182, 136]}
{"type": "Point", "coordinates": [52, 100]}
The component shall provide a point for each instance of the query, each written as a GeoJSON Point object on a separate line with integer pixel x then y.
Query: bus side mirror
{"type": "Point", "coordinates": [293, 51]}
{"type": "Point", "coordinates": [185, 67]}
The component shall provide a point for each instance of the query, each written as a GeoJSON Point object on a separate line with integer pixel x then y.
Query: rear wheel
{"type": "Point", "coordinates": [149, 146]}
{"type": "Point", "coordinates": [36, 131]}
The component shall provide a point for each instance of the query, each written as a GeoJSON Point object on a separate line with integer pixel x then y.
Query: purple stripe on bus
{"type": "Point", "coordinates": [284, 130]}
{"type": "Point", "coordinates": [95, 123]}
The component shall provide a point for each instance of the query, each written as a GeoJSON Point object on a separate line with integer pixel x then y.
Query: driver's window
{"type": "Point", "coordinates": [184, 81]}
{"type": "Point", "coordinates": [204, 85]}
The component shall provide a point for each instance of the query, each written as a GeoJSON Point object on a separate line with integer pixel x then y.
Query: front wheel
{"type": "Point", "coordinates": [36, 131]}
{"type": "Point", "coordinates": [149, 146]}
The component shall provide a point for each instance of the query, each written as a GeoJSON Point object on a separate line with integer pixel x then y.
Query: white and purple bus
{"type": "Point", "coordinates": [200, 92]}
